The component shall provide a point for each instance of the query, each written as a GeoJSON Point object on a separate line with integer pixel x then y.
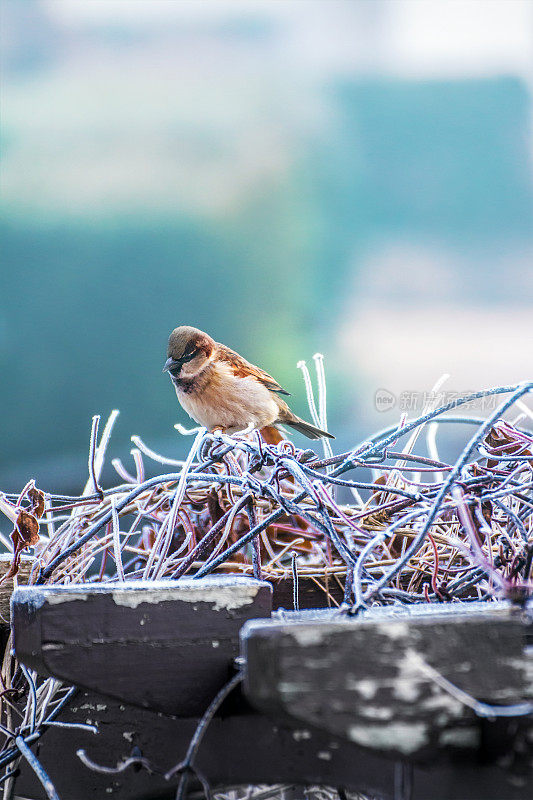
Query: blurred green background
{"type": "Point", "coordinates": [349, 177]}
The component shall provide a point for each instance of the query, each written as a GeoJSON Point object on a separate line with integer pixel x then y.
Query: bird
{"type": "Point", "coordinates": [222, 391]}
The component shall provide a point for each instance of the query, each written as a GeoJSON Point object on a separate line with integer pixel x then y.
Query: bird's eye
{"type": "Point", "coordinates": [189, 356]}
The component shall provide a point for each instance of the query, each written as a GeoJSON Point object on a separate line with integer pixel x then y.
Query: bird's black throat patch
{"type": "Point", "coordinates": [185, 385]}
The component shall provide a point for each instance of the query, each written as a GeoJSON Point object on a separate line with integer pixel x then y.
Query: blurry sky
{"type": "Point", "coordinates": [352, 177]}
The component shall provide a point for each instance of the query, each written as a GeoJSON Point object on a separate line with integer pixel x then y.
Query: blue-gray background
{"type": "Point", "coordinates": [349, 177]}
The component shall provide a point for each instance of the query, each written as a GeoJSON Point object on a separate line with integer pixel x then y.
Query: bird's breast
{"type": "Point", "coordinates": [219, 399]}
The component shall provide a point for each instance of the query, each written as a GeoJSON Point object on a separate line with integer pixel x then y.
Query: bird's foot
{"type": "Point", "coordinates": [218, 432]}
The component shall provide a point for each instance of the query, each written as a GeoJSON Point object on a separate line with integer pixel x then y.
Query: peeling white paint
{"type": "Point", "coordinates": [324, 755]}
{"type": "Point", "coordinates": [460, 737]}
{"type": "Point", "coordinates": [58, 597]}
{"type": "Point", "coordinates": [221, 592]}
{"type": "Point", "coordinates": [308, 635]}
{"type": "Point", "coordinates": [407, 686]}
{"type": "Point", "coordinates": [300, 735]}
{"type": "Point", "coordinates": [405, 690]}
{"type": "Point", "coordinates": [525, 664]}
{"type": "Point", "coordinates": [128, 735]}
{"type": "Point", "coordinates": [406, 737]}
{"type": "Point", "coordinates": [51, 646]}
{"type": "Point", "coordinates": [228, 595]}
{"type": "Point", "coordinates": [394, 630]}
{"type": "Point", "coordinates": [376, 712]}
{"type": "Point", "coordinates": [366, 688]}
{"type": "Point", "coordinates": [214, 643]}
{"type": "Point", "coordinates": [445, 703]}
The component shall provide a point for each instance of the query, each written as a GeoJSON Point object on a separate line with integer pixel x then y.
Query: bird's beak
{"type": "Point", "coordinates": [171, 364]}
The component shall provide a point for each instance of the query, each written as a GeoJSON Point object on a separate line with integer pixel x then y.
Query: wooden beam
{"type": "Point", "coordinates": [386, 680]}
{"type": "Point", "coordinates": [164, 645]}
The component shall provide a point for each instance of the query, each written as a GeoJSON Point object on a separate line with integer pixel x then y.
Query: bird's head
{"type": "Point", "coordinates": [188, 351]}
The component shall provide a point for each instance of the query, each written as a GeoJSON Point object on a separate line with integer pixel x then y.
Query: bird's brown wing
{"type": "Point", "coordinates": [243, 369]}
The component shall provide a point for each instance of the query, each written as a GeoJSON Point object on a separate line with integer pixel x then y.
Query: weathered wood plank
{"type": "Point", "coordinates": [372, 679]}
{"type": "Point", "coordinates": [166, 645]}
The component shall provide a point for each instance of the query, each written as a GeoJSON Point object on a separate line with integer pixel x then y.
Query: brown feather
{"type": "Point", "coordinates": [243, 369]}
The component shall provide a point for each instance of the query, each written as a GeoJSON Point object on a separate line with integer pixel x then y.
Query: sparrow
{"type": "Point", "coordinates": [222, 391]}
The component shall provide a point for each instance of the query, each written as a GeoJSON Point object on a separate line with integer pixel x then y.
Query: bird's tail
{"type": "Point", "coordinates": [288, 418]}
